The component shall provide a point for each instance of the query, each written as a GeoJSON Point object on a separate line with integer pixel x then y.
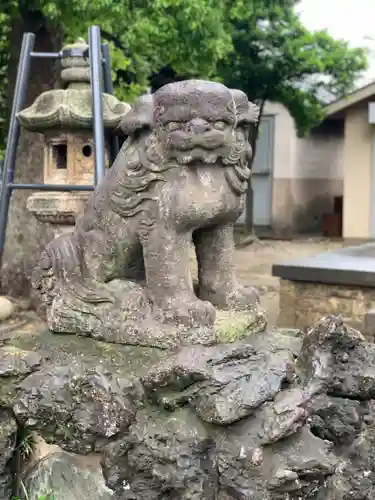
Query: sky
{"type": "Point", "coordinates": [351, 20]}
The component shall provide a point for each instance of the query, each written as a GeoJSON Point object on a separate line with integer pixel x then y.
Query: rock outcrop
{"type": "Point", "coordinates": [271, 417]}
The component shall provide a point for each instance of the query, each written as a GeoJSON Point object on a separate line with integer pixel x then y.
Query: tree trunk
{"type": "Point", "coordinates": [25, 236]}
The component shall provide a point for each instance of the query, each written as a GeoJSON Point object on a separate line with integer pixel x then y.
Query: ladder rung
{"type": "Point", "coordinates": [46, 55]}
{"type": "Point", "coordinates": [51, 187]}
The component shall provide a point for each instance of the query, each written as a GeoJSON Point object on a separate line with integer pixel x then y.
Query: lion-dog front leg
{"type": "Point", "coordinates": [216, 270]}
{"type": "Point", "coordinates": [169, 280]}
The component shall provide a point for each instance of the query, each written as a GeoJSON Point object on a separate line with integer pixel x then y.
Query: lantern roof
{"type": "Point", "coordinates": [70, 107]}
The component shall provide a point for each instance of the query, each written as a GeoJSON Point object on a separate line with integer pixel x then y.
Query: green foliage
{"type": "Point", "coordinates": [147, 35]}
{"type": "Point", "coordinates": [276, 58]}
{"type": "Point", "coordinates": [26, 443]}
{"type": "Point", "coordinates": [4, 58]}
{"type": "Point", "coordinates": [26, 447]}
{"type": "Point", "coordinates": [259, 46]}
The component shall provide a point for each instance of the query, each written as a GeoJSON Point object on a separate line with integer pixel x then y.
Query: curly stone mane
{"type": "Point", "coordinates": [142, 171]}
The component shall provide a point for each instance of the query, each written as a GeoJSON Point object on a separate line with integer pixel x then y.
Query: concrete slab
{"type": "Point", "coordinates": [345, 266]}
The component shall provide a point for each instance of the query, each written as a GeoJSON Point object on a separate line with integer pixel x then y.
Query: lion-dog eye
{"type": "Point", "coordinates": [219, 125]}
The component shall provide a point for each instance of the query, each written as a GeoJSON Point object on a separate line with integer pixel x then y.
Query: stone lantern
{"type": "Point", "coordinates": [64, 117]}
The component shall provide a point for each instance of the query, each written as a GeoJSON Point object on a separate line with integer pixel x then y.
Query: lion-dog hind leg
{"type": "Point", "coordinates": [169, 280]}
{"type": "Point", "coordinates": [100, 262]}
{"type": "Point", "coordinates": [105, 258]}
{"type": "Point", "coordinates": [216, 270]}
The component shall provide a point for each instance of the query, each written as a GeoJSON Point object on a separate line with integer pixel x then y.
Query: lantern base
{"type": "Point", "coordinates": [57, 208]}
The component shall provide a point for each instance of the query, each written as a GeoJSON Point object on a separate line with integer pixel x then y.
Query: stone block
{"type": "Point", "coordinates": [303, 303]}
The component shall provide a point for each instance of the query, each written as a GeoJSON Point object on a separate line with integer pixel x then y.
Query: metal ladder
{"type": "Point", "coordinates": [100, 67]}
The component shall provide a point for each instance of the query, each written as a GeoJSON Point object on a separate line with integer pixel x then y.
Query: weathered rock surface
{"type": "Point", "coordinates": [63, 476]}
{"type": "Point", "coordinates": [294, 467]}
{"type": "Point", "coordinates": [75, 408]}
{"type": "Point", "coordinates": [170, 453]}
{"type": "Point", "coordinates": [271, 417]}
{"type": "Point", "coordinates": [338, 420]}
{"type": "Point", "coordinates": [15, 364]}
{"type": "Point", "coordinates": [8, 438]}
{"type": "Point", "coordinates": [223, 384]}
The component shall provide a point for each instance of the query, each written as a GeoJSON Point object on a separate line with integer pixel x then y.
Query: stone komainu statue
{"type": "Point", "coordinates": [181, 176]}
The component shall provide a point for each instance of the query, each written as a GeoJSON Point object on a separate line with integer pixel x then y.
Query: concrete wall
{"type": "Point", "coordinates": [308, 173]}
{"type": "Point", "coordinates": [357, 173]}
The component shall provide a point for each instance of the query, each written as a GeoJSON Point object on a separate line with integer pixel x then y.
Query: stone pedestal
{"type": "Point", "coordinates": [337, 282]}
{"type": "Point", "coordinates": [272, 416]}
{"type": "Point", "coordinates": [302, 303]}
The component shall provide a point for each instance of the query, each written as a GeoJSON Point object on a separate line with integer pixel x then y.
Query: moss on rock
{"type": "Point", "coordinates": [232, 326]}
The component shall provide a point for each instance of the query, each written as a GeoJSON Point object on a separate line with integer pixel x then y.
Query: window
{"type": "Point", "coordinates": [61, 156]}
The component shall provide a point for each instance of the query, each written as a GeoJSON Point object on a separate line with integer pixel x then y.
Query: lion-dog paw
{"type": "Point", "coordinates": [188, 311]}
{"type": "Point", "coordinates": [236, 297]}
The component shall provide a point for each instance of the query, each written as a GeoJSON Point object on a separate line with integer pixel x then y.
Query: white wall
{"type": "Point", "coordinates": [284, 140]}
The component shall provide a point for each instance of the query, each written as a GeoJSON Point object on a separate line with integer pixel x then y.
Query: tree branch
{"type": "Point", "coordinates": [32, 17]}
{"type": "Point", "coordinates": [116, 42]}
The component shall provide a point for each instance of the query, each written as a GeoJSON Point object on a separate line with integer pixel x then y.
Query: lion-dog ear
{"type": "Point", "coordinates": [140, 116]}
{"type": "Point", "coordinates": [253, 113]}
{"type": "Point", "coordinates": [246, 111]}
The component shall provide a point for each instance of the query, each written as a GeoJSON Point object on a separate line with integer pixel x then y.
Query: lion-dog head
{"type": "Point", "coordinates": [195, 121]}
{"type": "Point", "coordinates": [188, 124]}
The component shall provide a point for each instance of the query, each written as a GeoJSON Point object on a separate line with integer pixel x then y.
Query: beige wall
{"type": "Point", "coordinates": [357, 173]}
{"type": "Point", "coordinates": [308, 173]}
{"type": "Point", "coordinates": [321, 154]}
{"type": "Point", "coordinates": [299, 204]}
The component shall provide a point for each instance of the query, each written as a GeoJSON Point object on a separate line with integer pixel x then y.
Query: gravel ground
{"type": "Point", "coordinates": [254, 265]}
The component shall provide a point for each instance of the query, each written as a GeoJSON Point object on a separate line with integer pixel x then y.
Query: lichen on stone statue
{"type": "Point", "coordinates": [124, 274]}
